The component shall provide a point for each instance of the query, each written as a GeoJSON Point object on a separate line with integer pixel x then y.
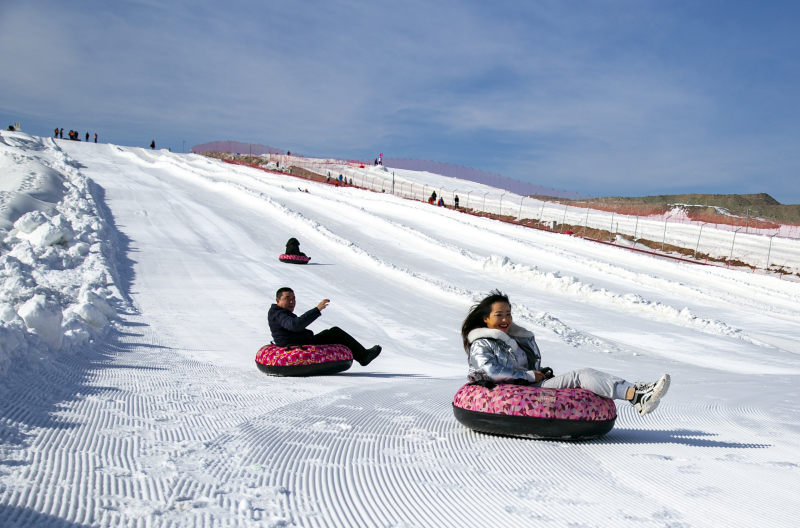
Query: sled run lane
{"type": "Point", "coordinates": [167, 422]}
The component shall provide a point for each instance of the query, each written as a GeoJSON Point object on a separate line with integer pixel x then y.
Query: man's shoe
{"type": "Point", "coordinates": [648, 395]}
{"type": "Point", "coordinates": [372, 353]}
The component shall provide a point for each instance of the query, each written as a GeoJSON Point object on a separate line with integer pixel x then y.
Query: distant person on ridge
{"type": "Point", "coordinates": [290, 330]}
{"type": "Point", "coordinates": [153, 144]}
{"type": "Point", "coordinates": [61, 134]}
{"type": "Point", "coordinates": [56, 136]}
{"type": "Point", "coordinates": [95, 138]}
{"type": "Point", "coordinates": [87, 137]}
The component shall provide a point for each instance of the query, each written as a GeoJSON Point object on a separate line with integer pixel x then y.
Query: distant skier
{"type": "Point", "coordinates": [153, 144]}
{"type": "Point", "coordinates": [455, 201]}
{"type": "Point", "coordinates": [293, 248]}
{"type": "Point", "coordinates": [290, 330]}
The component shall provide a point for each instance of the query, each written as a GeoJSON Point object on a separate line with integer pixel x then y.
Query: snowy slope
{"type": "Point", "coordinates": [167, 421]}
{"type": "Point", "coordinates": [753, 246]}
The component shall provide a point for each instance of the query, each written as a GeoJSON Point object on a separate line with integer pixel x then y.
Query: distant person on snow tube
{"type": "Point", "coordinates": [499, 352]}
{"type": "Point", "coordinates": [293, 248]}
{"type": "Point", "coordinates": [290, 330]}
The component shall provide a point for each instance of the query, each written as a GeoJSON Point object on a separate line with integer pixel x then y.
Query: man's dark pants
{"type": "Point", "coordinates": [337, 336]}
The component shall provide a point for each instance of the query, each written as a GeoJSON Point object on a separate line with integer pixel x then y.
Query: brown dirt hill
{"type": "Point", "coordinates": [760, 205]}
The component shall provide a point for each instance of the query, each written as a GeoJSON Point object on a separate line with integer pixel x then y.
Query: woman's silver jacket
{"type": "Point", "coordinates": [499, 357]}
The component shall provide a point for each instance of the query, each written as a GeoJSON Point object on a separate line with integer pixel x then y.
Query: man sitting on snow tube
{"type": "Point", "coordinates": [501, 352]}
{"type": "Point", "coordinates": [289, 330]}
{"type": "Point", "coordinates": [293, 254]}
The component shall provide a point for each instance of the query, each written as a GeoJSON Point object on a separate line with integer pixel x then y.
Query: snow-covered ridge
{"type": "Point", "coordinates": [57, 283]}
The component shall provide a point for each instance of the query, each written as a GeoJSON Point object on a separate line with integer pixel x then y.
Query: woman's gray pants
{"type": "Point", "coordinates": [600, 383]}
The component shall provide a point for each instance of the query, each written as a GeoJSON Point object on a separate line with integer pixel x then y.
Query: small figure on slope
{"type": "Point", "coordinates": [293, 247]}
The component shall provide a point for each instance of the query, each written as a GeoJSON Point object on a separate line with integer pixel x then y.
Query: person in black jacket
{"type": "Point", "coordinates": [293, 248]}
{"type": "Point", "coordinates": [290, 330]}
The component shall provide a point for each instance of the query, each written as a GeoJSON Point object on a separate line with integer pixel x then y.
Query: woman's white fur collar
{"type": "Point", "coordinates": [508, 339]}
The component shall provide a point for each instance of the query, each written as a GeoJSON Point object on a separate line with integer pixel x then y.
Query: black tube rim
{"type": "Point", "coordinates": [315, 369]}
{"type": "Point", "coordinates": [530, 427]}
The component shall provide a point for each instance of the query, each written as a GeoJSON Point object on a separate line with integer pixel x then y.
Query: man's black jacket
{"type": "Point", "coordinates": [288, 329]}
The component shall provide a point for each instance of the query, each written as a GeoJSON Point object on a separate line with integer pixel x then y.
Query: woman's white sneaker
{"type": "Point", "coordinates": [648, 395]}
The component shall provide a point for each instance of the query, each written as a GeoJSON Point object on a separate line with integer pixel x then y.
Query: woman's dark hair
{"type": "Point", "coordinates": [477, 314]}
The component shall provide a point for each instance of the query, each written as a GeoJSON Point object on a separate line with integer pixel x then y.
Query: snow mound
{"type": "Point", "coordinates": [56, 284]}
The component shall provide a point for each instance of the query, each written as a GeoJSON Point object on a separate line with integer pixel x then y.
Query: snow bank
{"type": "Point", "coordinates": [56, 285]}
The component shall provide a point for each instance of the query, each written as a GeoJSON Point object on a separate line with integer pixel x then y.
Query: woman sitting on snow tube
{"type": "Point", "coordinates": [510, 393]}
{"type": "Point", "coordinates": [293, 254]}
{"type": "Point", "coordinates": [306, 360]}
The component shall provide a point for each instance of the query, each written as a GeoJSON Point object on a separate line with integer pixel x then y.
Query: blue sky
{"type": "Point", "coordinates": [606, 98]}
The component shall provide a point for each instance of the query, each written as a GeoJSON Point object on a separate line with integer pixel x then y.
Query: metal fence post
{"type": "Point", "coordinates": [732, 243]}
{"type": "Point", "coordinates": [698, 240]}
{"type": "Point", "coordinates": [565, 217]}
{"type": "Point", "coordinates": [769, 251]}
{"type": "Point", "coordinates": [636, 227]}
{"type": "Point", "coordinates": [665, 232]}
{"type": "Point", "coordinates": [519, 215]}
{"type": "Point", "coordinates": [468, 199]}
{"type": "Point", "coordinates": [484, 200]}
{"type": "Point", "coordinates": [589, 208]}
{"type": "Point", "coordinates": [541, 213]}
{"type": "Point", "coordinates": [501, 204]}
{"type": "Point", "coordinates": [612, 222]}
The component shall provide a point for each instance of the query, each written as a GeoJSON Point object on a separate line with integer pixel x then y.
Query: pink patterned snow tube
{"type": "Point", "coordinates": [520, 410]}
{"type": "Point", "coordinates": [294, 259]}
{"type": "Point", "coordinates": [309, 360]}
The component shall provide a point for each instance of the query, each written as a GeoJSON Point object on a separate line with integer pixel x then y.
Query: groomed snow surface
{"type": "Point", "coordinates": [150, 411]}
